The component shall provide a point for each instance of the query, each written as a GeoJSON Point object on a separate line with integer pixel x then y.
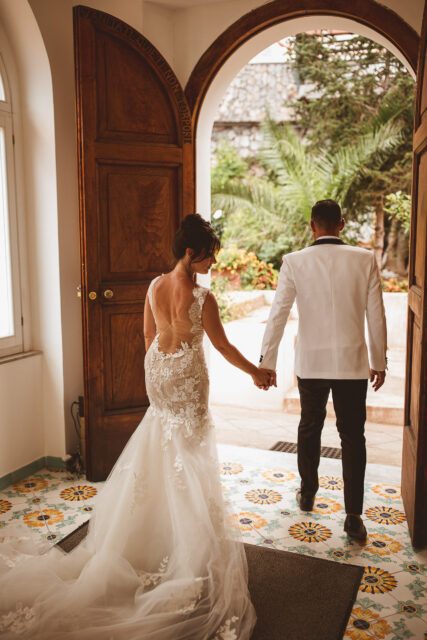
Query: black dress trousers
{"type": "Point", "coordinates": [349, 398]}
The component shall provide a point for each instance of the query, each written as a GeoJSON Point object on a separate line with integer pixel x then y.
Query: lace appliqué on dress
{"type": "Point", "coordinates": [17, 621]}
{"type": "Point", "coordinates": [225, 632]}
{"type": "Point", "coordinates": [185, 599]}
{"type": "Point", "coordinates": [139, 489]}
{"type": "Point", "coordinates": [178, 382]}
{"type": "Point", "coordinates": [177, 477]}
{"type": "Point", "coordinates": [152, 579]}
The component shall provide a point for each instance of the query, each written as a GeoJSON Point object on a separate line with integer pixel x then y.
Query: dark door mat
{"type": "Point", "coordinates": [296, 597]}
{"type": "Point", "coordinates": [291, 447]}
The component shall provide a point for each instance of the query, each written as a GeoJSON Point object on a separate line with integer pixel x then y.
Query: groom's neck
{"type": "Point", "coordinates": [320, 233]}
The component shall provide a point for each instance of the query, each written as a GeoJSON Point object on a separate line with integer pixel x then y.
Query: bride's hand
{"type": "Point", "coordinates": [264, 378]}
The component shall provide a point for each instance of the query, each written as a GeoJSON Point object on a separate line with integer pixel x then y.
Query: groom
{"type": "Point", "coordinates": [335, 286]}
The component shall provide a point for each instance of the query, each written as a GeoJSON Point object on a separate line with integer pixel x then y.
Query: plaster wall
{"type": "Point", "coordinates": [21, 413]}
{"type": "Point", "coordinates": [196, 27]}
{"type": "Point", "coordinates": [31, 397]}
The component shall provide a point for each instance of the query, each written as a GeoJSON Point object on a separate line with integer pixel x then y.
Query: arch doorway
{"type": "Point", "coordinates": [208, 82]}
{"type": "Point", "coordinates": [140, 141]}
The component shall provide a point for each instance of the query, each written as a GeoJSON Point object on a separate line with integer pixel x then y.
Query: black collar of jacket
{"type": "Point", "coordinates": [328, 241]}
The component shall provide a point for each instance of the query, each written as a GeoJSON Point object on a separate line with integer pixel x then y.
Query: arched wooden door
{"type": "Point", "coordinates": [414, 464]}
{"type": "Point", "coordinates": [136, 182]}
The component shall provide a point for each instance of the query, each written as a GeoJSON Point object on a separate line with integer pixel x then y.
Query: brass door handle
{"type": "Point", "coordinates": [92, 295]}
{"type": "Point", "coordinates": [108, 294]}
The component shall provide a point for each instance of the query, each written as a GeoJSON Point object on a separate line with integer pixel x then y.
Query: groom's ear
{"type": "Point", "coordinates": [312, 225]}
{"type": "Point", "coordinates": [342, 224]}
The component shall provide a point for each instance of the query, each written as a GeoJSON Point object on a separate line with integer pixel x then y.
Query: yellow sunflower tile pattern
{"type": "Point", "coordinates": [230, 468]}
{"type": "Point", "coordinates": [41, 518]}
{"type": "Point", "coordinates": [78, 492]}
{"type": "Point", "coordinates": [260, 489]}
{"type": "Point", "coordinates": [376, 580]}
{"type": "Point", "coordinates": [5, 505]}
{"type": "Point", "coordinates": [385, 515]}
{"type": "Point", "coordinates": [310, 532]}
{"type": "Point", "coordinates": [30, 485]}
{"type": "Point", "coordinates": [365, 624]}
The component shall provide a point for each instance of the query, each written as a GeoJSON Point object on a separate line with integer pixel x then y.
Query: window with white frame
{"type": "Point", "coordinates": [10, 290]}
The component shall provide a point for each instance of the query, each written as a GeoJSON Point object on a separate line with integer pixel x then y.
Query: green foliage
{"type": "Point", "coordinates": [228, 167]}
{"type": "Point", "coordinates": [220, 286]}
{"type": "Point", "coordinates": [398, 205]}
{"type": "Point", "coordinates": [270, 215]}
{"type": "Point", "coordinates": [351, 141]}
{"type": "Point", "coordinates": [348, 78]}
{"type": "Point", "coordinates": [355, 86]}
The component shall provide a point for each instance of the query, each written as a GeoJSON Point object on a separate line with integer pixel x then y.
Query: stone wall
{"type": "Point", "coordinates": [258, 90]}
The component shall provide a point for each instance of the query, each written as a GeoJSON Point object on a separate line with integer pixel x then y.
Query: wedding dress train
{"type": "Point", "coordinates": [157, 563]}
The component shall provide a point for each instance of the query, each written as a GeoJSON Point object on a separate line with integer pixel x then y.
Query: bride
{"type": "Point", "coordinates": [158, 562]}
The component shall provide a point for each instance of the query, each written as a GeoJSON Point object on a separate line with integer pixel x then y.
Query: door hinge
{"type": "Point", "coordinates": [13, 138]}
{"type": "Point", "coordinates": [22, 321]}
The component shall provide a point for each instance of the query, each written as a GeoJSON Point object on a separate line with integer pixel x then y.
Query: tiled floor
{"type": "Point", "coordinates": [260, 488]}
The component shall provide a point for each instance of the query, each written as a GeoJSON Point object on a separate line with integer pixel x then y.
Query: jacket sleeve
{"type": "Point", "coordinates": [375, 316]}
{"type": "Point", "coordinates": [282, 304]}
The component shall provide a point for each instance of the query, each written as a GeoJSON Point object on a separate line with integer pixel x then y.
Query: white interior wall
{"type": "Point", "coordinates": [31, 407]}
{"type": "Point", "coordinates": [21, 413]}
{"type": "Point", "coordinates": [197, 27]}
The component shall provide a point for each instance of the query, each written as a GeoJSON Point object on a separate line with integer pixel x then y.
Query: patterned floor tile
{"type": "Point", "coordinates": [259, 487]}
{"type": "Point", "coordinates": [403, 627]}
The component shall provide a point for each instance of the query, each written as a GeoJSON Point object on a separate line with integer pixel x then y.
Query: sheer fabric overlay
{"type": "Point", "coordinates": [158, 562]}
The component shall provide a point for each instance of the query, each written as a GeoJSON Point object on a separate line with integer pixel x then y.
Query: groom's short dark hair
{"type": "Point", "coordinates": [326, 214]}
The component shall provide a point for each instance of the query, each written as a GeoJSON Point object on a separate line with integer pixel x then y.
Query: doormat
{"type": "Point", "coordinates": [294, 595]}
{"type": "Point", "coordinates": [291, 447]}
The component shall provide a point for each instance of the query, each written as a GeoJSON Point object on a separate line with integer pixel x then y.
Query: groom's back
{"type": "Point", "coordinates": [332, 284]}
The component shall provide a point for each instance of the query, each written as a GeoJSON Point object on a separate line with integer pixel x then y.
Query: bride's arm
{"type": "Point", "coordinates": [149, 324]}
{"type": "Point", "coordinates": [213, 326]}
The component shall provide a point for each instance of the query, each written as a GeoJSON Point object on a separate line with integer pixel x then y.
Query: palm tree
{"type": "Point", "coordinates": [275, 209]}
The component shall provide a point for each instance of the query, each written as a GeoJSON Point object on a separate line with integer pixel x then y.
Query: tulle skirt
{"type": "Point", "coordinates": [158, 562]}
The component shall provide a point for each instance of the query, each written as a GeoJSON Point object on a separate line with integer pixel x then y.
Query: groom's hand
{"type": "Point", "coordinates": [377, 378]}
{"type": "Point", "coordinates": [267, 378]}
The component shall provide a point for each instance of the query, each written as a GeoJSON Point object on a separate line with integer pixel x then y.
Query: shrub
{"type": "Point", "coordinates": [244, 270]}
{"type": "Point", "coordinates": [395, 285]}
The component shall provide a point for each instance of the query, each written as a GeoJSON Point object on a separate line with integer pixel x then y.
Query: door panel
{"type": "Point", "coordinates": [123, 355]}
{"type": "Point", "coordinates": [133, 104]}
{"type": "Point", "coordinates": [136, 182]}
{"type": "Point", "coordinates": [141, 240]}
{"type": "Point", "coordinates": [414, 464]}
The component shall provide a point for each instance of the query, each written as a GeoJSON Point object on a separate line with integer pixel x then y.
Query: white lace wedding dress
{"type": "Point", "coordinates": [157, 563]}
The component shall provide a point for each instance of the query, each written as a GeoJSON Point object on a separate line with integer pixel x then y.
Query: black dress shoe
{"type": "Point", "coordinates": [305, 502]}
{"type": "Point", "coordinates": [354, 527]}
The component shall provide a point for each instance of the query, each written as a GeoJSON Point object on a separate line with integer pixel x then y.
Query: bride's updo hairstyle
{"type": "Point", "coordinates": [197, 234]}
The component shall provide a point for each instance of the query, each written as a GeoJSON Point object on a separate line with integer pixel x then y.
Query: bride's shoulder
{"type": "Point", "coordinates": [202, 293]}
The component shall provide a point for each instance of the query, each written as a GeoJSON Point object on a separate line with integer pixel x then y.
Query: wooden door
{"type": "Point", "coordinates": [136, 181]}
{"type": "Point", "coordinates": [414, 464]}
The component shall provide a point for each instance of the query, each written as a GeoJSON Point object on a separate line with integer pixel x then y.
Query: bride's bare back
{"type": "Point", "coordinates": [175, 311]}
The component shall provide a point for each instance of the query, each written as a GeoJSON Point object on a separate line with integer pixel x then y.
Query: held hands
{"type": "Point", "coordinates": [377, 378]}
{"type": "Point", "coordinates": [264, 378]}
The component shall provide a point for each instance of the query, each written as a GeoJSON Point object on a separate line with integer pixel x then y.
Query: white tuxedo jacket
{"type": "Point", "coordinates": [335, 287]}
